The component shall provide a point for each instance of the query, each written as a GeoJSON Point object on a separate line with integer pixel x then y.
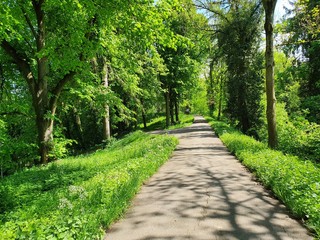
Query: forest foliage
{"type": "Point", "coordinates": [74, 74]}
{"type": "Point", "coordinates": [77, 75]}
{"type": "Point", "coordinates": [106, 70]}
{"type": "Point", "coordinates": [235, 76]}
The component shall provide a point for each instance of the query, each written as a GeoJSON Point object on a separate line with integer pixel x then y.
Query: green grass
{"type": "Point", "coordinates": [159, 123]}
{"type": "Point", "coordinates": [78, 198]}
{"type": "Point", "coordinates": [294, 181]}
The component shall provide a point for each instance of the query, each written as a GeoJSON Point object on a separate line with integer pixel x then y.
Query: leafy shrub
{"type": "Point", "coordinates": [77, 198]}
{"type": "Point", "coordinates": [60, 145]}
{"type": "Point", "coordinates": [313, 104]}
{"type": "Point", "coordinates": [294, 181]}
{"type": "Point", "coordinates": [17, 147]}
{"type": "Point", "coordinates": [295, 135]}
{"type": "Point", "coordinates": [4, 149]}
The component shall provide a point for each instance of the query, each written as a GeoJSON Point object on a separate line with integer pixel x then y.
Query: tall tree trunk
{"type": "Point", "coordinates": [143, 114]}
{"type": "Point", "coordinates": [106, 118]}
{"type": "Point", "coordinates": [171, 105]}
{"type": "Point", "coordinates": [243, 109]}
{"type": "Point", "coordinates": [269, 7]}
{"type": "Point", "coordinates": [144, 119]}
{"type": "Point", "coordinates": [41, 101]}
{"type": "Point", "coordinates": [211, 90]}
{"type": "Point", "coordinates": [78, 124]}
{"type": "Point", "coordinates": [176, 109]}
{"type": "Point", "coordinates": [167, 99]}
{"type": "Point", "coordinates": [220, 98]}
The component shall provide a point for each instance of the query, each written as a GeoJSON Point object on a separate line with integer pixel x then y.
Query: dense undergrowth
{"type": "Point", "coordinates": [77, 198]}
{"type": "Point", "coordinates": [294, 181]}
{"type": "Point", "coordinates": [296, 135]}
{"type": "Point", "coordinates": [160, 123]}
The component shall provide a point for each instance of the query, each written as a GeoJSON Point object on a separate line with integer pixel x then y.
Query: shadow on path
{"type": "Point", "coordinates": [203, 192]}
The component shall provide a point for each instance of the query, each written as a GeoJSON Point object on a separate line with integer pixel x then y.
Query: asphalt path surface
{"type": "Point", "coordinates": [203, 192]}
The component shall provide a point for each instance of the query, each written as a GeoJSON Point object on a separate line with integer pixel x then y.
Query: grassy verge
{"type": "Point", "coordinates": [160, 123]}
{"type": "Point", "coordinates": [77, 198]}
{"type": "Point", "coordinates": [295, 182]}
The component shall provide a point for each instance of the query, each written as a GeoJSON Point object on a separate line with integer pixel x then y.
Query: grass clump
{"type": "Point", "coordinates": [296, 182]}
{"type": "Point", "coordinates": [78, 198]}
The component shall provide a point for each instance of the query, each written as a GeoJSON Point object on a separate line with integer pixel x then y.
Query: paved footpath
{"type": "Point", "coordinates": [203, 192]}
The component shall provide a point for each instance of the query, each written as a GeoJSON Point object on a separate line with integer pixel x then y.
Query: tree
{"type": "Point", "coordinates": [237, 30]}
{"type": "Point", "coordinates": [269, 7]}
{"type": "Point", "coordinates": [52, 43]}
{"type": "Point", "coordinates": [49, 42]}
{"type": "Point", "coordinates": [303, 35]}
{"type": "Point", "coordinates": [184, 60]}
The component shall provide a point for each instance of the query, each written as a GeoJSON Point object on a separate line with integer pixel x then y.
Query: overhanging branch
{"type": "Point", "coordinates": [21, 62]}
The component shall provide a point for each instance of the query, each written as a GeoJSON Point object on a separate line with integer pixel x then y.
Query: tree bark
{"type": "Point", "coordinates": [211, 90]}
{"type": "Point", "coordinates": [143, 114]}
{"type": "Point", "coordinates": [176, 110]}
{"type": "Point", "coordinates": [45, 137]}
{"type": "Point", "coordinates": [171, 105]}
{"type": "Point", "coordinates": [167, 99]}
{"type": "Point", "coordinates": [220, 98]}
{"type": "Point", "coordinates": [144, 119]}
{"type": "Point", "coordinates": [106, 118]}
{"type": "Point", "coordinates": [269, 7]}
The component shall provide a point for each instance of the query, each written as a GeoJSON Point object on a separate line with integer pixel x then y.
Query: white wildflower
{"type": "Point", "coordinates": [65, 203]}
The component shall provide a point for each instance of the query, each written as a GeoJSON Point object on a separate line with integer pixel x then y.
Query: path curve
{"type": "Point", "coordinates": [203, 192]}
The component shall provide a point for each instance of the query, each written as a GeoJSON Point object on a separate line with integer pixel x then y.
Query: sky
{"type": "Point", "coordinates": [279, 11]}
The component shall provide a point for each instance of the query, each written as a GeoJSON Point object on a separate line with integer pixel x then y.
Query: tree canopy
{"type": "Point", "coordinates": [75, 74]}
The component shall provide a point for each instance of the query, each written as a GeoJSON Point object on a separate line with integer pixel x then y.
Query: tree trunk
{"type": "Point", "coordinates": [167, 99]}
{"type": "Point", "coordinates": [243, 109]}
{"type": "Point", "coordinates": [78, 124]}
{"type": "Point", "coordinates": [143, 114]}
{"type": "Point", "coordinates": [269, 7]}
{"type": "Point", "coordinates": [220, 98]}
{"type": "Point", "coordinates": [171, 113]}
{"type": "Point", "coordinates": [40, 97]}
{"type": "Point", "coordinates": [144, 119]}
{"type": "Point", "coordinates": [44, 105]}
{"type": "Point", "coordinates": [106, 118]}
{"type": "Point", "coordinates": [45, 138]}
{"type": "Point", "coordinates": [176, 109]}
{"type": "Point", "coordinates": [211, 90]}
{"type": "Point", "coordinates": [171, 106]}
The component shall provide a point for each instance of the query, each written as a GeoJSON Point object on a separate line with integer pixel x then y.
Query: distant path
{"type": "Point", "coordinates": [203, 192]}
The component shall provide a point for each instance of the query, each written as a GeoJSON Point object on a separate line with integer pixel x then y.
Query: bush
{"type": "Point", "coordinates": [294, 181]}
{"type": "Point", "coordinates": [77, 198]}
{"type": "Point", "coordinates": [295, 135]}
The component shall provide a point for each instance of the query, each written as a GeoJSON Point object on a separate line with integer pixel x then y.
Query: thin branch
{"type": "Point", "coordinates": [256, 8]}
{"type": "Point", "coordinates": [207, 8]}
{"type": "Point", "coordinates": [34, 33]}
{"type": "Point", "coordinates": [57, 90]}
{"type": "Point", "coordinates": [16, 112]}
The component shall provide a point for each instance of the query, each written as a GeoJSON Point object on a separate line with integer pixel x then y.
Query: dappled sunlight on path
{"type": "Point", "coordinates": [203, 192]}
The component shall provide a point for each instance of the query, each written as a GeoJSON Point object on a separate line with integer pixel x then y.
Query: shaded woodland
{"type": "Point", "coordinates": [76, 74]}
